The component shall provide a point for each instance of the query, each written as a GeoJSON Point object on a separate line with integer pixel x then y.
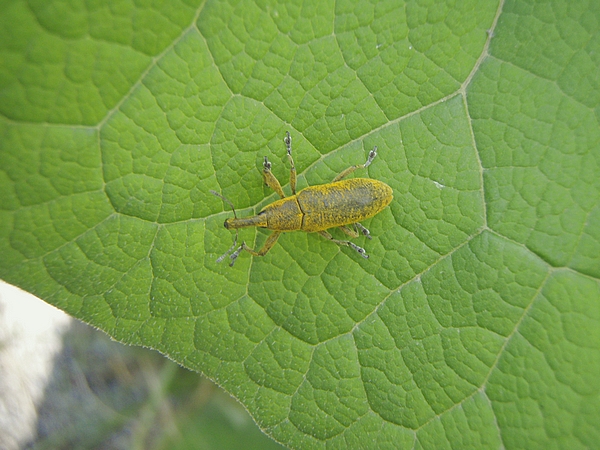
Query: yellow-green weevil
{"type": "Point", "coordinates": [315, 208]}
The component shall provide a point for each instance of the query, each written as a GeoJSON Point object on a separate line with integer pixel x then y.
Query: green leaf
{"type": "Point", "coordinates": [475, 321]}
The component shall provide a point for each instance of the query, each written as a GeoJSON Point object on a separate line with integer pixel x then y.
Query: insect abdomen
{"type": "Point", "coordinates": [342, 203]}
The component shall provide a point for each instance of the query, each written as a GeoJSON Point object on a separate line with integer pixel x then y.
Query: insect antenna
{"type": "Point", "coordinates": [232, 248]}
{"type": "Point", "coordinates": [226, 200]}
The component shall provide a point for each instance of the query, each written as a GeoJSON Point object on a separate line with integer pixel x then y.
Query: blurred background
{"type": "Point", "coordinates": [66, 385]}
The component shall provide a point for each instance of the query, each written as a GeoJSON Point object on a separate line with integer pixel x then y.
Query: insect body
{"type": "Point", "coordinates": [315, 208]}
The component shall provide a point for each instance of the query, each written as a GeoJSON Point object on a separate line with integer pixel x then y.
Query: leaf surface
{"type": "Point", "coordinates": [474, 323]}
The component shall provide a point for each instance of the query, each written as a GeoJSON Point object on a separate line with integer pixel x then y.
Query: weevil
{"type": "Point", "coordinates": [315, 208]}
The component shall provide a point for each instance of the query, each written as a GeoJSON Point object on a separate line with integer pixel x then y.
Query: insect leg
{"type": "Point", "coordinates": [270, 242]}
{"type": "Point", "coordinates": [363, 230]}
{"type": "Point", "coordinates": [349, 231]}
{"type": "Point", "coordinates": [270, 179]}
{"type": "Point", "coordinates": [349, 170]}
{"type": "Point", "coordinates": [360, 250]}
{"type": "Point", "coordinates": [288, 144]}
{"type": "Point", "coordinates": [356, 228]}
{"type": "Point", "coordinates": [224, 255]}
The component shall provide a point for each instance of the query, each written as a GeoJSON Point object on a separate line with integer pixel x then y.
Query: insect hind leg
{"type": "Point", "coordinates": [349, 170]}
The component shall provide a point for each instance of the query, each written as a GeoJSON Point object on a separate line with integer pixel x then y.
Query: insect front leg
{"type": "Point", "coordinates": [270, 179]}
{"type": "Point", "coordinates": [288, 144]}
{"type": "Point", "coordinates": [270, 242]}
{"type": "Point", "coordinates": [349, 170]}
{"type": "Point", "coordinates": [361, 251]}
